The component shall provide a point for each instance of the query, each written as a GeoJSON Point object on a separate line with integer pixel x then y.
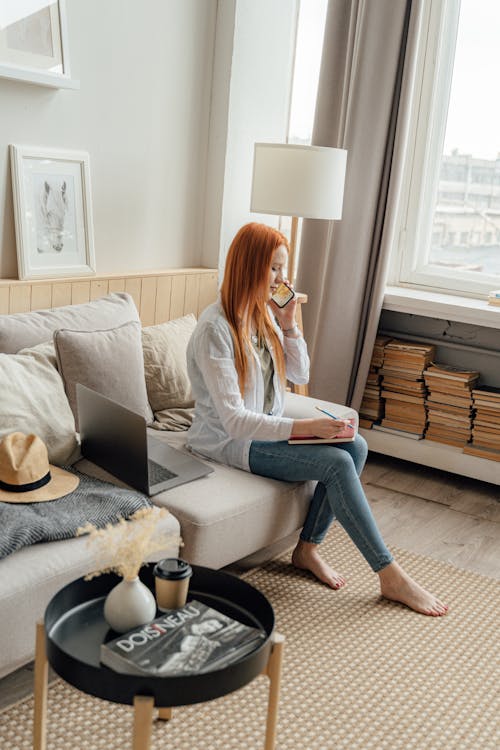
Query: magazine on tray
{"type": "Point", "coordinates": [193, 639]}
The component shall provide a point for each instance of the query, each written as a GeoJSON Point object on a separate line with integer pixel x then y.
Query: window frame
{"type": "Point", "coordinates": [435, 62]}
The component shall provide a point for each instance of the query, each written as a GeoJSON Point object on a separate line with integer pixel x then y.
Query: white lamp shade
{"type": "Point", "coordinates": [291, 180]}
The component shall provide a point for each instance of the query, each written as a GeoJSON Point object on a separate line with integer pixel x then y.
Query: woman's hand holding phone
{"type": "Point", "coordinates": [285, 312]}
{"type": "Point", "coordinates": [283, 294]}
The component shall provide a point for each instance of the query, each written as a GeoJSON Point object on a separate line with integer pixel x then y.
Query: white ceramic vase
{"type": "Point", "coordinates": [128, 605]}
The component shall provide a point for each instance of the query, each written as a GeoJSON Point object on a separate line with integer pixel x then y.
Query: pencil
{"type": "Point", "coordinates": [332, 416]}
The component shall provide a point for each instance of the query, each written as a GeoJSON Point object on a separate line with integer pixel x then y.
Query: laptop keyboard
{"type": "Point", "coordinates": [158, 473]}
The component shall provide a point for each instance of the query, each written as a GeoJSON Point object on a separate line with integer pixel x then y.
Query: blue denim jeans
{"type": "Point", "coordinates": [339, 493]}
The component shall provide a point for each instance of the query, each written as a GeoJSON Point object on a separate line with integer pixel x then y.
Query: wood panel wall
{"type": "Point", "coordinates": [159, 295]}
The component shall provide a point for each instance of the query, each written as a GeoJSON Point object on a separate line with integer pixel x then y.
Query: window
{"type": "Point", "coordinates": [308, 51]}
{"type": "Point", "coordinates": [450, 212]}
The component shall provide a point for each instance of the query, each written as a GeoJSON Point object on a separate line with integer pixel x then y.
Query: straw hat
{"type": "Point", "coordinates": [25, 473]}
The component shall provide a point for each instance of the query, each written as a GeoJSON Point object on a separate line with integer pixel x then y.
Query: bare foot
{"type": "Point", "coordinates": [306, 557]}
{"type": "Point", "coordinates": [398, 586]}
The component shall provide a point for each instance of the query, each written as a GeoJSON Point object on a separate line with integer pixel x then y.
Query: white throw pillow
{"type": "Point", "coordinates": [32, 400]}
{"type": "Point", "coordinates": [44, 352]}
{"type": "Point", "coordinates": [169, 388]}
{"type": "Point", "coordinates": [108, 361]}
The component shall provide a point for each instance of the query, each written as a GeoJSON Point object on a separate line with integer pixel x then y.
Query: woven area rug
{"type": "Point", "coordinates": [359, 673]}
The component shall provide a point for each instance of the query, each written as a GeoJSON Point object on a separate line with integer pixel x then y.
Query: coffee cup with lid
{"type": "Point", "coordinates": [172, 575]}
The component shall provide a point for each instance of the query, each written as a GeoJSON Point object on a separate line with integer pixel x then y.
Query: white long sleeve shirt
{"type": "Point", "coordinates": [224, 423]}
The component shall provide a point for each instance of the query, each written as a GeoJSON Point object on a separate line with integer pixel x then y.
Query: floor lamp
{"type": "Point", "coordinates": [298, 181]}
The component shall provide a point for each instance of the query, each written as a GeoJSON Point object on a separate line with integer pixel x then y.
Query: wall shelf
{"type": "Point", "coordinates": [435, 455]}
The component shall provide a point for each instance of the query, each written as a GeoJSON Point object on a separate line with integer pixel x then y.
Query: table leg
{"type": "Point", "coordinates": [143, 721]}
{"type": "Point", "coordinates": [164, 714]}
{"type": "Point", "coordinates": [41, 689]}
{"type": "Point", "coordinates": [273, 671]}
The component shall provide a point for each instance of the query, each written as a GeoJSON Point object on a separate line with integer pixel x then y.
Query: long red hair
{"type": "Point", "coordinates": [245, 293]}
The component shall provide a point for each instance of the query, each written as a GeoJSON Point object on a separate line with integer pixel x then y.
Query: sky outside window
{"type": "Point", "coordinates": [473, 125]}
{"type": "Point", "coordinates": [311, 26]}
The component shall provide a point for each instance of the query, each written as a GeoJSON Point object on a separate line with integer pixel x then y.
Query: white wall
{"type": "Point", "coordinates": [173, 95]}
{"type": "Point", "coordinates": [142, 113]}
{"type": "Point", "coordinates": [255, 44]}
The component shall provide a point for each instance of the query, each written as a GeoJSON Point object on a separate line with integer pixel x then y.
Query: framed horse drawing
{"type": "Point", "coordinates": [53, 213]}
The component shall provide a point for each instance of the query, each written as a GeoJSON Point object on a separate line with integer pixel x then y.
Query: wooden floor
{"type": "Point", "coordinates": [423, 510]}
{"type": "Point", "coordinates": [434, 513]}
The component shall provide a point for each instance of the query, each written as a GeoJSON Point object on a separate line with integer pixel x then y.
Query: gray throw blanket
{"type": "Point", "coordinates": [93, 501]}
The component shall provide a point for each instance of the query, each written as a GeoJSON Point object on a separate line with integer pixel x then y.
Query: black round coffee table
{"type": "Point", "coordinates": [74, 628]}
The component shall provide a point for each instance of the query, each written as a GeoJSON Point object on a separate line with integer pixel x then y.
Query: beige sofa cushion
{"type": "Point", "coordinates": [22, 330]}
{"type": "Point", "coordinates": [108, 361]}
{"type": "Point", "coordinates": [168, 386]}
{"type": "Point", "coordinates": [32, 400]}
{"type": "Point", "coordinates": [232, 513]}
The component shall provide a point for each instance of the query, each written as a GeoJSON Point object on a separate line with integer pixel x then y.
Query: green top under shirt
{"type": "Point", "coordinates": [267, 367]}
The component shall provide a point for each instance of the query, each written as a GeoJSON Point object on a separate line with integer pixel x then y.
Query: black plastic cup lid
{"type": "Point", "coordinates": [172, 569]}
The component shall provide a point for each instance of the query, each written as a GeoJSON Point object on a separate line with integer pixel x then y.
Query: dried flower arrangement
{"type": "Point", "coordinates": [123, 547]}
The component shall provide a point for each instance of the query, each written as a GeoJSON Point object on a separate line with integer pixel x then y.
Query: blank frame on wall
{"type": "Point", "coordinates": [34, 43]}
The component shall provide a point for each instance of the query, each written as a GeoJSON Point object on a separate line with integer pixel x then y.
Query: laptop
{"type": "Point", "coordinates": [116, 439]}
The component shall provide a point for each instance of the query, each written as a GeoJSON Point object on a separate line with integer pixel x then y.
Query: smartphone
{"type": "Point", "coordinates": [283, 295]}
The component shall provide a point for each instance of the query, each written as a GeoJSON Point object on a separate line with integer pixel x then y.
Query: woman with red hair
{"type": "Point", "coordinates": [242, 351]}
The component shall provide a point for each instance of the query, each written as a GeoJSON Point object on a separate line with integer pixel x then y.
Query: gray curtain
{"type": "Point", "coordinates": [366, 81]}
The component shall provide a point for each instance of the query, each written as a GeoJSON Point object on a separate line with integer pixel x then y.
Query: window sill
{"type": "Point", "coordinates": [445, 306]}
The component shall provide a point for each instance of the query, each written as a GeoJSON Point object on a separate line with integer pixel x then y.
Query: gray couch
{"type": "Point", "coordinates": [222, 518]}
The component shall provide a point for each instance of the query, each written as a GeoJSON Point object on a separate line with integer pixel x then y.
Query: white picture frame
{"type": "Point", "coordinates": [34, 43]}
{"type": "Point", "coordinates": [52, 212]}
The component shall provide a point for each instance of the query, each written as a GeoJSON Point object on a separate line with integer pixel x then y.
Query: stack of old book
{"type": "Point", "coordinates": [494, 297]}
{"type": "Point", "coordinates": [486, 424]}
{"type": "Point", "coordinates": [372, 405]}
{"type": "Point", "coordinates": [403, 387]}
{"type": "Point", "coordinates": [449, 404]}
